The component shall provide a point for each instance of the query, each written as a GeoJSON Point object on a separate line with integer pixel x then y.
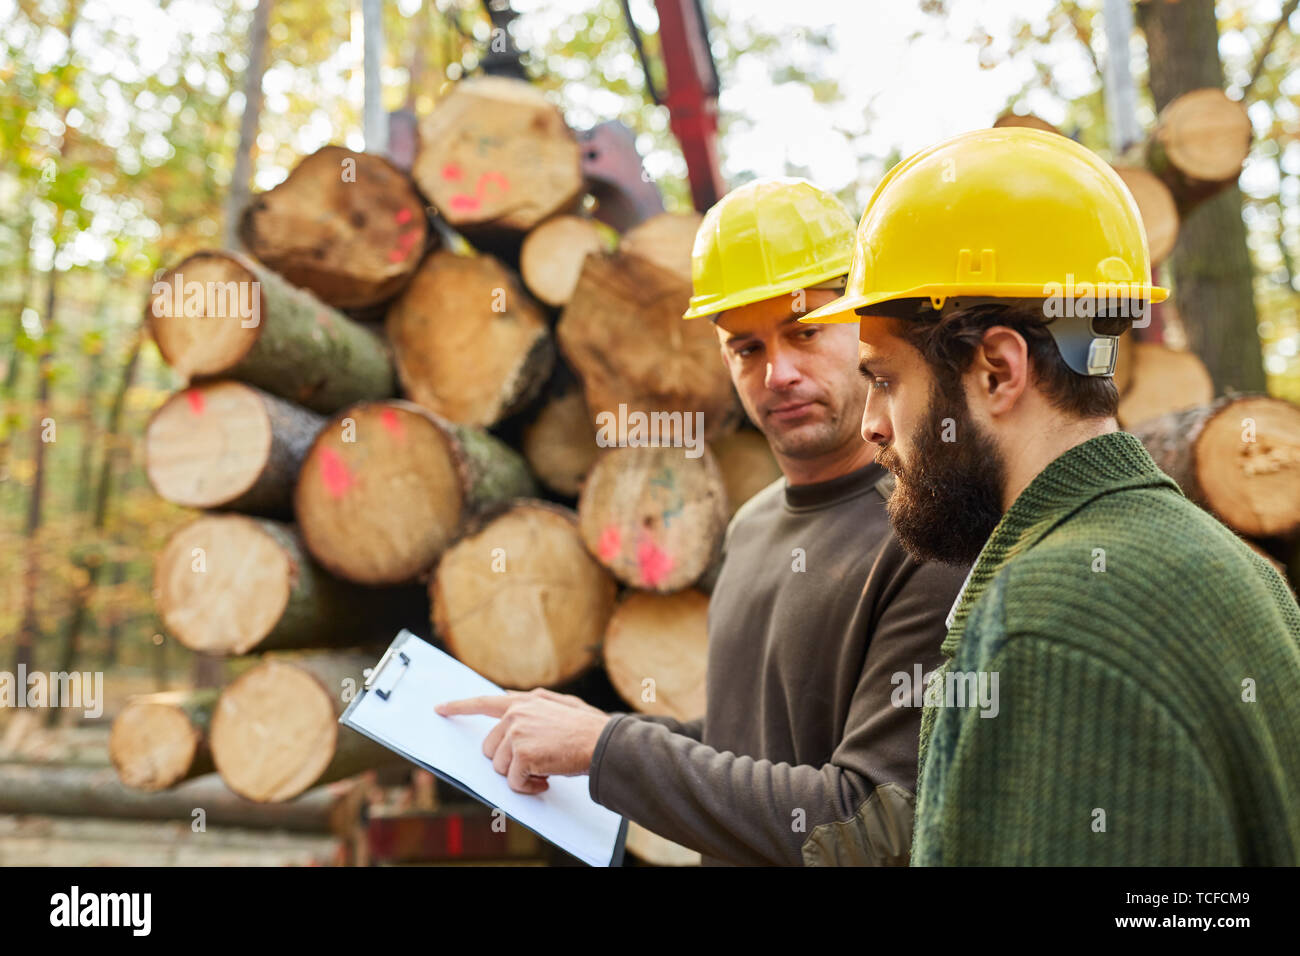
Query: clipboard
{"type": "Point", "coordinates": [395, 708]}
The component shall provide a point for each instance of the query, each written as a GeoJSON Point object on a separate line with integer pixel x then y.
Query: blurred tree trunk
{"type": "Point", "coordinates": [1211, 263]}
{"type": "Point", "coordinates": [90, 423]}
{"type": "Point", "coordinates": [91, 558]}
{"type": "Point", "coordinates": [29, 628]}
{"type": "Point", "coordinates": [11, 418]}
{"type": "Point", "coordinates": [237, 197]}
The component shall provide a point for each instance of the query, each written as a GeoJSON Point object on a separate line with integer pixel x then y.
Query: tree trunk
{"type": "Point", "coordinates": [97, 792]}
{"type": "Point", "coordinates": [387, 486]}
{"type": "Point", "coordinates": [1238, 457]}
{"type": "Point", "coordinates": [520, 600]}
{"type": "Point", "coordinates": [237, 196]}
{"type": "Point", "coordinates": [470, 344]}
{"type": "Point", "coordinates": [228, 445]}
{"type": "Point", "coordinates": [275, 731]}
{"type": "Point", "coordinates": [159, 740]}
{"type": "Point", "coordinates": [348, 227]}
{"type": "Point", "coordinates": [1211, 263]}
{"type": "Point", "coordinates": [29, 628]}
{"type": "Point", "coordinates": [654, 517]}
{"type": "Point", "coordinates": [265, 332]}
{"type": "Point", "coordinates": [656, 649]}
{"type": "Point", "coordinates": [227, 584]}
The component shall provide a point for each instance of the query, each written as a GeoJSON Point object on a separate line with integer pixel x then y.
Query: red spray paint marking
{"type": "Point", "coordinates": [610, 542]}
{"type": "Point", "coordinates": [335, 474]}
{"type": "Point", "coordinates": [403, 216]}
{"type": "Point", "coordinates": [455, 843]}
{"type": "Point", "coordinates": [655, 563]}
{"type": "Point", "coordinates": [451, 172]}
{"type": "Point", "coordinates": [404, 243]}
{"type": "Point", "coordinates": [388, 418]}
{"type": "Point", "coordinates": [463, 202]}
{"type": "Point", "coordinates": [196, 401]}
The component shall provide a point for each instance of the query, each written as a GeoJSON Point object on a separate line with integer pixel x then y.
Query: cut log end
{"type": "Point", "coordinates": [1248, 466]}
{"type": "Point", "coordinates": [747, 465]}
{"type": "Point", "coordinates": [560, 444]}
{"type": "Point", "coordinates": [654, 517]}
{"type": "Point", "coordinates": [222, 584]}
{"type": "Point", "coordinates": [381, 493]}
{"type": "Point", "coordinates": [1157, 207]}
{"type": "Point", "coordinates": [209, 326]}
{"type": "Point", "coordinates": [1162, 380]}
{"type": "Point", "coordinates": [666, 240]}
{"type": "Point", "coordinates": [153, 744]}
{"type": "Point", "coordinates": [656, 649]}
{"type": "Point", "coordinates": [552, 255]}
{"type": "Point", "coordinates": [521, 601]}
{"type": "Point", "coordinates": [1204, 135]}
{"type": "Point", "coordinates": [470, 344]}
{"type": "Point", "coordinates": [348, 226]}
{"type": "Point", "coordinates": [274, 732]}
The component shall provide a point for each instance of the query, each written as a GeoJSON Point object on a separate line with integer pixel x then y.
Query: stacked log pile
{"type": "Point", "coordinates": [409, 434]}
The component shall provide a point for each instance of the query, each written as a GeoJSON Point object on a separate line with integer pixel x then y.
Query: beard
{"type": "Point", "coordinates": [948, 498]}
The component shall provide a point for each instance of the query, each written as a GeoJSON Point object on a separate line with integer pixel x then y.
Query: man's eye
{"type": "Point", "coordinates": [807, 333]}
{"type": "Point", "coordinates": [746, 351]}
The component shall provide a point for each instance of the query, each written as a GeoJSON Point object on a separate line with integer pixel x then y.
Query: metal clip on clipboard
{"type": "Point", "coordinates": [392, 667]}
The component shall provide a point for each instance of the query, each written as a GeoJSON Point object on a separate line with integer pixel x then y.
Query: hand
{"type": "Point", "coordinates": [540, 733]}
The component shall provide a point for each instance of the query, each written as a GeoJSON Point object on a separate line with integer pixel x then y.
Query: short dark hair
{"type": "Point", "coordinates": [948, 342]}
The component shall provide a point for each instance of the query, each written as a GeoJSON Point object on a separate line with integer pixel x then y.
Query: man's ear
{"type": "Point", "coordinates": [999, 373]}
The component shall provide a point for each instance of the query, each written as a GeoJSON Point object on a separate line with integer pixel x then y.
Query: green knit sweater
{"type": "Point", "coordinates": [1148, 684]}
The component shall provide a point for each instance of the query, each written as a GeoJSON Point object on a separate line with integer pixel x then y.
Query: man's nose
{"type": "Point", "coordinates": [875, 424]}
{"type": "Point", "coordinates": [782, 369]}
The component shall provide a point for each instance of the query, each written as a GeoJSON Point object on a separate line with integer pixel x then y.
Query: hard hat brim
{"type": "Point", "coordinates": [703, 306]}
{"type": "Point", "coordinates": [845, 309]}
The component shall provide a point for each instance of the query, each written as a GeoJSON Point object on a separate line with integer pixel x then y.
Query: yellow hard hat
{"type": "Point", "coordinates": [1007, 213]}
{"type": "Point", "coordinates": [770, 237]}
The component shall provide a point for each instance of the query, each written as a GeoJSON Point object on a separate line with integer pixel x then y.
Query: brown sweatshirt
{"type": "Point", "coordinates": [801, 758]}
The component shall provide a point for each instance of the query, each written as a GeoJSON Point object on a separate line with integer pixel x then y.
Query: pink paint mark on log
{"type": "Point", "coordinates": [196, 401]}
{"type": "Point", "coordinates": [463, 203]}
{"type": "Point", "coordinates": [403, 216]}
{"type": "Point", "coordinates": [492, 178]}
{"type": "Point", "coordinates": [654, 562]}
{"type": "Point", "coordinates": [610, 543]}
{"type": "Point", "coordinates": [334, 473]}
{"type": "Point", "coordinates": [451, 172]}
{"type": "Point", "coordinates": [388, 418]}
{"type": "Point", "coordinates": [396, 255]}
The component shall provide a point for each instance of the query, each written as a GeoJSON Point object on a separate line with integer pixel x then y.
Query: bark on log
{"type": "Point", "coordinates": [228, 445]}
{"type": "Point", "coordinates": [551, 258]}
{"type": "Point", "coordinates": [654, 517]}
{"type": "Point", "coordinates": [666, 240]}
{"type": "Point", "coordinates": [470, 344]}
{"type": "Point", "coordinates": [226, 584]}
{"type": "Point", "coordinates": [159, 740]}
{"type": "Point", "coordinates": [1238, 457]}
{"type": "Point", "coordinates": [387, 486]}
{"type": "Point", "coordinates": [623, 333]}
{"type": "Point", "coordinates": [656, 650]}
{"type": "Point", "coordinates": [1156, 205]}
{"type": "Point", "coordinates": [350, 227]}
{"type": "Point", "coordinates": [495, 155]}
{"type": "Point", "coordinates": [520, 600]}
{"type": "Point", "coordinates": [271, 335]}
{"type": "Point", "coordinates": [747, 465]}
{"type": "Point", "coordinates": [1200, 142]}
{"type": "Point", "coordinates": [1163, 380]}
{"type": "Point", "coordinates": [275, 730]}
{"type": "Point", "coordinates": [97, 792]}
{"type": "Point", "coordinates": [560, 443]}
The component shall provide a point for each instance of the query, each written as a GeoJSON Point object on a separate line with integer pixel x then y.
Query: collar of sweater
{"type": "Point", "coordinates": [1101, 465]}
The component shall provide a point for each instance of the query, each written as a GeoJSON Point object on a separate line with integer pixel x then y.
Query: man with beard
{"type": "Point", "coordinates": [1146, 662]}
{"type": "Point", "coordinates": [805, 754]}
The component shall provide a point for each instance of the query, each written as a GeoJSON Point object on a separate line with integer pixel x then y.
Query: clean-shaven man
{"type": "Point", "coordinates": [805, 755]}
{"type": "Point", "coordinates": [1147, 661]}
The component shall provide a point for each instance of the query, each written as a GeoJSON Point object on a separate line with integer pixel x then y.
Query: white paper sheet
{"type": "Point", "coordinates": [406, 723]}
